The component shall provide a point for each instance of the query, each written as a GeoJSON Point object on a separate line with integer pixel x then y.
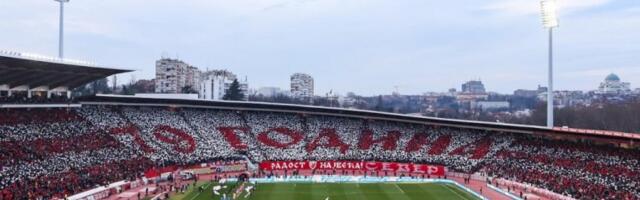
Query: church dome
{"type": "Point", "coordinates": [612, 77]}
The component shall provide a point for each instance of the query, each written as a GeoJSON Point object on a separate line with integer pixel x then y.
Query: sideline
{"type": "Point", "coordinates": [454, 190]}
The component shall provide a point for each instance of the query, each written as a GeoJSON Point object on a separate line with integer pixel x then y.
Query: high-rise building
{"type": "Point", "coordinates": [192, 78]}
{"type": "Point", "coordinates": [215, 83]}
{"type": "Point", "coordinates": [473, 87]}
{"type": "Point", "coordinates": [172, 75]}
{"type": "Point", "coordinates": [301, 85]}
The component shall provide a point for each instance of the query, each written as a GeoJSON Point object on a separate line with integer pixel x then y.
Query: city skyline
{"type": "Point", "coordinates": [470, 86]}
{"type": "Point", "coordinates": [347, 46]}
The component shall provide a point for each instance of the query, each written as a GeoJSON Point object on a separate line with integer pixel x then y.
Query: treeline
{"type": "Point", "coordinates": [618, 116]}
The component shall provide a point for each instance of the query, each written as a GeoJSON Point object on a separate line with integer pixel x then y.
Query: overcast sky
{"type": "Point", "coordinates": [364, 46]}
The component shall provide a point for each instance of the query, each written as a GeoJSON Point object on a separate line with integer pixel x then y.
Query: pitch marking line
{"type": "Point", "coordinates": [399, 188]}
{"type": "Point", "coordinates": [454, 191]}
{"type": "Point", "coordinates": [200, 192]}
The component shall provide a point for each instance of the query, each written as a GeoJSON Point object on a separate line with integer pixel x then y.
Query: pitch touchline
{"type": "Point", "coordinates": [447, 186]}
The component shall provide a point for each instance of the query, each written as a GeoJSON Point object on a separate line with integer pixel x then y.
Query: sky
{"type": "Point", "coordinates": [364, 46]}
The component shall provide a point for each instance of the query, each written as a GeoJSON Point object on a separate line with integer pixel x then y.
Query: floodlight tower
{"type": "Point", "coordinates": [61, 34]}
{"type": "Point", "coordinates": [550, 21]}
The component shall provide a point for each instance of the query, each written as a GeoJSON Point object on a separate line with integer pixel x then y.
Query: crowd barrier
{"type": "Point", "coordinates": [105, 191]}
{"type": "Point", "coordinates": [152, 174]}
{"type": "Point", "coordinates": [526, 187]}
{"type": "Point", "coordinates": [475, 176]}
{"type": "Point", "coordinates": [516, 185]}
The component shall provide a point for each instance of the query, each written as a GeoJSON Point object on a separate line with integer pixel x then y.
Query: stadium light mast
{"type": "Point", "coordinates": [61, 34]}
{"type": "Point", "coordinates": [550, 21]}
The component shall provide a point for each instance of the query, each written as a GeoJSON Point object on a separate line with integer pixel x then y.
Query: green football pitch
{"type": "Point", "coordinates": [337, 191]}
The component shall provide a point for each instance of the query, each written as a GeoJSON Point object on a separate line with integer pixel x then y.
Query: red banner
{"type": "Point", "coordinates": [155, 172]}
{"type": "Point", "coordinates": [354, 165]}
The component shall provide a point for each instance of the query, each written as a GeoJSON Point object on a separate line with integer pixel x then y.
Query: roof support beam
{"type": "Point", "coordinates": [27, 79]}
{"type": "Point", "coordinates": [62, 81]}
{"type": "Point", "coordinates": [14, 76]}
{"type": "Point", "coordinates": [5, 72]}
{"type": "Point", "coordinates": [46, 80]}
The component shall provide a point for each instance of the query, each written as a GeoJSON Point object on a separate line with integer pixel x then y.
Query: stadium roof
{"type": "Point", "coordinates": [277, 107]}
{"type": "Point", "coordinates": [22, 69]}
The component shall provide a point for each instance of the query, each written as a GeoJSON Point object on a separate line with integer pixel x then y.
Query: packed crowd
{"type": "Point", "coordinates": [57, 152]}
{"type": "Point", "coordinates": [573, 169]}
{"type": "Point", "coordinates": [47, 153]}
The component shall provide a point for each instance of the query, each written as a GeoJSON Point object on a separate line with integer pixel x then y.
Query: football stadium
{"type": "Point", "coordinates": [128, 147]}
{"type": "Point", "coordinates": [188, 134]}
